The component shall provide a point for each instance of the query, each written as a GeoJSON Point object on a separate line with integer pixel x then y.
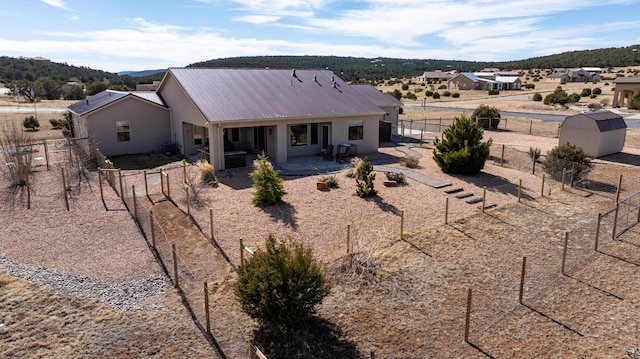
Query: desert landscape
{"type": "Point", "coordinates": [91, 281]}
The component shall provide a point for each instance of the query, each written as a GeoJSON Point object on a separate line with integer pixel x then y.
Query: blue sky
{"type": "Point", "coordinates": [119, 35]}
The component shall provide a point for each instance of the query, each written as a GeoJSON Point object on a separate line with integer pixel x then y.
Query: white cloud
{"type": "Point", "coordinates": [55, 3]}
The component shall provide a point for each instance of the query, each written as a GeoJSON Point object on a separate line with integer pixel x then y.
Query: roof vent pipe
{"type": "Point", "coordinates": [315, 78]}
{"type": "Point", "coordinates": [293, 72]}
{"type": "Point", "coordinates": [87, 102]}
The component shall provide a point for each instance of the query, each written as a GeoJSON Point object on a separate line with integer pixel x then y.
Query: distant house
{"type": "Point", "coordinates": [148, 87]}
{"type": "Point", "coordinates": [70, 85]}
{"type": "Point", "coordinates": [435, 76]}
{"type": "Point", "coordinates": [284, 113]}
{"type": "Point", "coordinates": [484, 81]}
{"type": "Point", "coordinates": [625, 88]}
{"type": "Point", "coordinates": [598, 133]}
{"type": "Point", "coordinates": [583, 74]}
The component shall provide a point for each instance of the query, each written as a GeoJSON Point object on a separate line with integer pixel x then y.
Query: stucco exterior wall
{"type": "Point", "coordinates": [182, 111]}
{"type": "Point", "coordinates": [149, 127]}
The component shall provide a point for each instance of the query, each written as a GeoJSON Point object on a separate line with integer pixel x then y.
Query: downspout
{"type": "Point", "coordinates": [172, 133]}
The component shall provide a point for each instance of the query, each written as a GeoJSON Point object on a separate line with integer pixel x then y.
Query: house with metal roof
{"type": "Point", "coordinates": [232, 112]}
{"type": "Point", "coordinates": [120, 123]}
{"type": "Point", "coordinates": [598, 133]}
{"type": "Point", "coordinates": [625, 88]}
{"type": "Point", "coordinates": [583, 74]}
{"type": "Point", "coordinates": [484, 81]}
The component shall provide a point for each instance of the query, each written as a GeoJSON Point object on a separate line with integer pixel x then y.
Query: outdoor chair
{"type": "Point", "coordinates": [343, 153]}
{"type": "Point", "coordinates": [328, 153]}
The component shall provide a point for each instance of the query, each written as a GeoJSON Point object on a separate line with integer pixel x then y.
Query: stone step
{"type": "Point", "coordinates": [453, 190]}
{"type": "Point", "coordinates": [464, 195]}
{"type": "Point", "coordinates": [474, 201]}
{"type": "Point", "coordinates": [487, 206]}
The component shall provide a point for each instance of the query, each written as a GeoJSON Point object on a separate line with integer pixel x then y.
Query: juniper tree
{"type": "Point", "coordinates": [461, 149]}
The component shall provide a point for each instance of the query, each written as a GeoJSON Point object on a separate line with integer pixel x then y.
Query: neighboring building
{"type": "Point", "coordinates": [625, 88]}
{"type": "Point", "coordinates": [435, 76]}
{"type": "Point", "coordinates": [598, 133]}
{"type": "Point", "coordinates": [583, 74]}
{"type": "Point", "coordinates": [121, 123]}
{"type": "Point", "coordinates": [284, 113]}
{"type": "Point", "coordinates": [71, 84]}
{"type": "Point", "coordinates": [484, 81]}
{"type": "Point", "coordinates": [148, 87]}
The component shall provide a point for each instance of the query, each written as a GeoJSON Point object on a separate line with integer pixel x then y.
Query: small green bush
{"type": "Point", "coordinates": [570, 157]}
{"type": "Point", "coordinates": [411, 96]}
{"type": "Point", "coordinates": [455, 95]}
{"type": "Point", "coordinates": [586, 92]}
{"type": "Point", "coordinates": [537, 97]}
{"type": "Point", "coordinates": [487, 116]}
{"type": "Point", "coordinates": [281, 285]}
{"type": "Point", "coordinates": [435, 95]}
{"type": "Point", "coordinates": [31, 123]}
{"type": "Point", "coordinates": [494, 92]}
{"type": "Point", "coordinates": [405, 87]}
{"type": "Point", "coordinates": [446, 93]}
{"type": "Point", "coordinates": [596, 91]}
{"type": "Point", "coordinates": [529, 86]}
{"type": "Point", "coordinates": [559, 96]}
{"type": "Point", "coordinates": [364, 182]}
{"type": "Point", "coordinates": [574, 98]}
{"type": "Point", "coordinates": [428, 93]}
{"type": "Point", "coordinates": [269, 187]}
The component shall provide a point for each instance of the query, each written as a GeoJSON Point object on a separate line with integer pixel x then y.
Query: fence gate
{"type": "Point", "coordinates": [627, 214]}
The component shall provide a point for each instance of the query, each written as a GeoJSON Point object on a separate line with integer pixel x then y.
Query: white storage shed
{"type": "Point", "coordinates": [598, 133]}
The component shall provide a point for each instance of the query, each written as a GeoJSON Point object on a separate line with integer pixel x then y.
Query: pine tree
{"type": "Point", "coordinates": [269, 187]}
{"type": "Point", "coordinates": [365, 180]}
{"type": "Point", "coordinates": [461, 150]}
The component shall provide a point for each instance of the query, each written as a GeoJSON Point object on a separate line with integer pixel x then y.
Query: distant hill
{"type": "Point", "coordinates": [358, 68]}
{"type": "Point", "coordinates": [348, 68]}
{"type": "Point", "coordinates": [141, 73]}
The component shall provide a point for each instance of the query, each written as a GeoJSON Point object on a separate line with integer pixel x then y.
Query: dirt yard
{"type": "Point", "coordinates": [400, 297]}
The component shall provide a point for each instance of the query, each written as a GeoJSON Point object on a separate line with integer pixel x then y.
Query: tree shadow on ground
{"type": "Point", "coordinates": [284, 213]}
{"type": "Point", "coordinates": [386, 207]}
{"type": "Point", "coordinates": [314, 338]}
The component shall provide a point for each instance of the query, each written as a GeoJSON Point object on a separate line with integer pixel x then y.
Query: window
{"type": "Point", "coordinates": [200, 135]}
{"type": "Point", "coordinates": [314, 133]}
{"type": "Point", "coordinates": [356, 130]}
{"type": "Point", "coordinates": [298, 135]}
{"type": "Point", "coordinates": [122, 131]}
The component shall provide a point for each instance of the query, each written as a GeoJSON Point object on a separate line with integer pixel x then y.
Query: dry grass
{"type": "Point", "coordinates": [403, 297]}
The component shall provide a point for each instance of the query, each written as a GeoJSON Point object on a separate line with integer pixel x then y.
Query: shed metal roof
{"type": "Point", "coordinates": [259, 94]}
{"type": "Point", "coordinates": [605, 120]}
{"type": "Point", "coordinates": [107, 97]}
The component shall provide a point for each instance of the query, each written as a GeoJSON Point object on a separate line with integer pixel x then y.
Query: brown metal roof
{"type": "Point", "coordinates": [627, 80]}
{"type": "Point", "coordinates": [376, 96]}
{"type": "Point", "coordinates": [606, 120]}
{"type": "Point", "coordinates": [258, 94]}
{"type": "Point", "coordinates": [107, 97]}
